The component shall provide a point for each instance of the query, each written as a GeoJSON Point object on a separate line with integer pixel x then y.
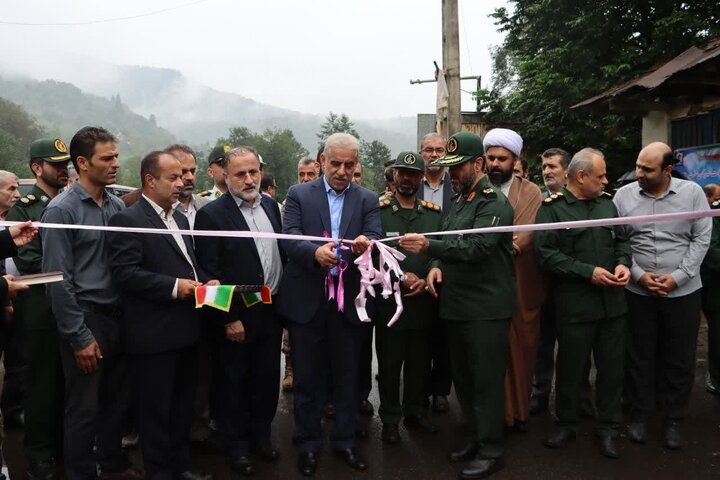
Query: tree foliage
{"type": "Point", "coordinates": [557, 53]}
{"type": "Point", "coordinates": [279, 149]}
{"type": "Point", "coordinates": [335, 123]}
{"type": "Point", "coordinates": [18, 129]}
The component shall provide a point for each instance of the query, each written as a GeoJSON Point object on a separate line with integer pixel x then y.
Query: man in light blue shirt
{"type": "Point", "coordinates": [663, 294]}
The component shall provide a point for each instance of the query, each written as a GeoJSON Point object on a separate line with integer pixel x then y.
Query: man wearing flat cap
{"type": "Point", "coordinates": [502, 151]}
{"type": "Point", "coordinates": [49, 159]}
{"type": "Point", "coordinates": [406, 345]}
{"type": "Point", "coordinates": [474, 277]}
{"type": "Point", "coordinates": [215, 171]}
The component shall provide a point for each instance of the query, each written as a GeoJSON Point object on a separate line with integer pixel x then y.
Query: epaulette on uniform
{"type": "Point", "coordinates": [715, 204]}
{"type": "Point", "coordinates": [607, 195]}
{"type": "Point", "coordinates": [28, 200]}
{"type": "Point", "coordinates": [552, 198]}
{"type": "Point", "coordinates": [430, 206]}
{"type": "Point", "coordinates": [205, 193]}
{"type": "Point", "coordinates": [489, 192]}
{"type": "Point", "coordinates": [384, 202]}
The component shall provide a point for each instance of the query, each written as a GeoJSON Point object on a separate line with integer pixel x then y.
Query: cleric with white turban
{"type": "Point", "coordinates": [503, 137]}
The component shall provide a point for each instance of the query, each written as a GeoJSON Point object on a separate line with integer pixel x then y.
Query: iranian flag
{"type": "Point", "coordinates": [253, 298]}
{"type": "Point", "coordinates": [219, 296]}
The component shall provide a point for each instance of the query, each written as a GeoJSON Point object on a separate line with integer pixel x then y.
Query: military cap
{"type": "Point", "coordinates": [410, 160]}
{"type": "Point", "coordinates": [460, 148]}
{"type": "Point", "coordinates": [50, 150]}
{"type": "Point", "coordinates": [217, 154]}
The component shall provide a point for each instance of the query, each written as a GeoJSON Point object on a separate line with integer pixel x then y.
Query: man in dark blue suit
{"type": "Point", "coordinates": [324, 337]}
{"type": "Point", "coordinates": [249, 347]}
{"type": "Point", "coordinates": [157, 276]}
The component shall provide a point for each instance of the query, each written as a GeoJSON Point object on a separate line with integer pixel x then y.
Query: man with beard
{"type": "Point", "coordinates": [477, 300]}
{"type": "Point", "coordinates": [406, 345]}
{"type": "Point", "coordinates": [43, 402]}
{"type": "Point", "coordinates": [86, 305]}
{"type": "Point", "coordinates": [436, 188]}
{"type": "Point", "coordinates": [190, 203]}
{"type": "Point", "coordinates": [589, 267]}
{"type": "Point", "coordinates": [502, 151]}
{"type": "Point", "coordinates": [663, 295]}
{"type": "Point", "coordinates": [249, 351]}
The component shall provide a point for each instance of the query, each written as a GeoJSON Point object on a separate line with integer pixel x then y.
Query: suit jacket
{"type": "Point", "coordinates": [448, 193]}
{"type": "Point", "coordinates": [144, 268]}
{"type": "Point", "coordinates": [307, 212]}
{"type": "Point", "coordinates": [234, 261]}
{"type": "Point", "coordinates": [7, 249]}
{"type": "Point", "coordinates": [526, 198]}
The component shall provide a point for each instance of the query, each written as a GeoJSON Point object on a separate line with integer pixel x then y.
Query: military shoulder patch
{"type": "Point", "coordinates": [715, 204]}
{"type": "Point", "coordinates": [430, 205]}
{"type": "Point", "coordinates": [384, 202]}
{"type": "Point", "coordinates": [204, 193]}
{"type": "Point", "coordinates": [552, 198]}
{"type": "Point", "coordinates": [28, 199]}
{"type": "Point", "coordinates": [489, 192]}
{"type": "Point", "coordinates": [606, 194]}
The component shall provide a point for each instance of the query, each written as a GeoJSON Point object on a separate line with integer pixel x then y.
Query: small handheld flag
{"type": "Point", "coordinates": [218, 296]}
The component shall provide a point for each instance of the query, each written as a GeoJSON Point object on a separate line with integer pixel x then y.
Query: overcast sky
{"type": "Point", "coordinates": [312, 56]}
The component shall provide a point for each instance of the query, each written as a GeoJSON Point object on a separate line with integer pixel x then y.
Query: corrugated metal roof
{"type": "Point", "coordinates": [690, 58]}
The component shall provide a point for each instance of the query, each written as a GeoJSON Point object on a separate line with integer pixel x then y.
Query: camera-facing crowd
{"type": "Point", "coordinates": [118, 344]}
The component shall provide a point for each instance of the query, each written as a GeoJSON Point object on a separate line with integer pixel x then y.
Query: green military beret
{"type": "Point", "coordinates": [460, 148]}
{"type": "Point", "coordinates": [50, 150]}
{"type": "Point", "coordinates": [410, 160]}
{"type": "Point", "coordinates": [217, 154]}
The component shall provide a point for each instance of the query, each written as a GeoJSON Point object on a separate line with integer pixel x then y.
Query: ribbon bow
{"type": "Point", "coordinates": [370, 276]}
{"type": "Point", "coordinates": [329, 284]}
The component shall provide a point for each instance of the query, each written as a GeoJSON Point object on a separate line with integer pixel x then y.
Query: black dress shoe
{"type": "Point", "coordinates": [352, 457]}
{"type": "Point", "coordinates": [242, 465]}
{"type": "Point", "coordinates": [440, 404]}
{"type": "Point", "coordinates": [608, 446]}
{"type": "Point", "coordinates": [189, 475]}
{"type": "Point", "coordinates": [586, 409]}
{"type": "Point", "coordinates": [268, 453]}
{"type": "Point", "coordinates": [465, 454]}
{"type": "Point", "coordinates": [418, 422]}
{"type": "Point", "coordinates": [673, 435]}
{"type": "Point", "coordinates": [538, 405]}
{"type": "Point", "coordinates": [390, 434]}
{"type": "Point", "coordinates": [42, 470]}
{"type": "Point", "coordinates": [559, 437]}
{"type": "Point", "coordinates": [365, 407]}
{"type": "Point", "coordinates": [637, 431]}
{"type": "Point", "coordinates": [307, 463]}
{"type": "Point", "coordinates": [481, 468]}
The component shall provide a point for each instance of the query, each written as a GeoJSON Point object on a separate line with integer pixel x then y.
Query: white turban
{"type": "Point", "coordinates": [502, 137]}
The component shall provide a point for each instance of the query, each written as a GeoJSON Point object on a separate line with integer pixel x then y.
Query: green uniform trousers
{"type": "Point", "coordinates": [407, 350]}
{"type": "Point", "coordinates": [606, 340]}
{"type": "Point", "coordinates": [478, 359]}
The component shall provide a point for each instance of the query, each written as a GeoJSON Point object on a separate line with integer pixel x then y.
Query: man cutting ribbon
{"type": "Point", "coordinates": [325, 331]}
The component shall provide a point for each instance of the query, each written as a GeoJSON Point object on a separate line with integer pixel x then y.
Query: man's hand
{"type": "Point", "coordinates": [23, 233]}
{"type": "Point", "coordinates": [668, 283]}
{"type": "Point", "coordinates": [603, 278]}
{"type": "Point", "coordinates": [14, 287]}
{"type": "Point", "coordinates": [186, 288]}
{"type": "Point", "coordinates": [212, 283]}
{"type": "Point", "coordinates": [326, 256]}
{"type": "Point", "coordinates": [87, 358]}
{"type": "Point", "coordinates": [235, 331]}
{"type": "Point", "coordinates": [622, 273]}
{"type": "Point", "coordinates": [414, 243]}
{"type": "Point", "coordinates": [359, 245]}
{"type": "Point", "coordinates": [434, 276]}
{"type": "Point", "coordinates": [650, 282]}
{"type": "Point", "coordinates": [414, 285]}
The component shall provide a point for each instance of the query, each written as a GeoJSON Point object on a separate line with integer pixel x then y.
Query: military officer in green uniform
{"type": "Point", "coordinates": [474, 277]}
{"type": "Point", "coordinates": [216, 172]}
{"type": "Point", "coordinates": [43, 403]}
{"type": "Point", "coordinates": [406, 344]}
{"type": "Point", "coordinates": [589, 268]}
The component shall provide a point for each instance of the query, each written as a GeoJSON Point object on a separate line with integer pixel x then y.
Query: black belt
{"type": "Point", "coordinates": [110, 310]}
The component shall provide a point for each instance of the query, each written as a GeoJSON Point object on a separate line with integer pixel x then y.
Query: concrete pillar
{"type": "Point", "coordinates": [656, 127]}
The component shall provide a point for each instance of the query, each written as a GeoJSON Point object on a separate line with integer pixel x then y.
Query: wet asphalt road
{"type": "Point", "coordinates": [421, 456]}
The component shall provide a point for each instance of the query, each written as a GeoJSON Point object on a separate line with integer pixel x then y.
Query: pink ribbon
{"type": "Point", "coordinates": [388, 263]}
{"type": "Point", "coordinates": [329, 284]}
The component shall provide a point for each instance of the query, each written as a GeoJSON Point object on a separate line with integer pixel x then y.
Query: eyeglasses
{"type": "Point", "coordinates": [429, 150]}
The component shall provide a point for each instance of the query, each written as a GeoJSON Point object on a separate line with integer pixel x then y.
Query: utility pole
{"type": "Point", "coordinates": [451, 64]}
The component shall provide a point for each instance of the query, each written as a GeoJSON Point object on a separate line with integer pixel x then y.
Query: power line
{"type": "Point", "coordinates": [465, 28]}
{"type": "Point", "coordinates": [103, 20]}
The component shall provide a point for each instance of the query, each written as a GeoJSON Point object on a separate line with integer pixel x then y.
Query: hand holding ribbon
{"type": "Point", "coordinates": [388, 263]}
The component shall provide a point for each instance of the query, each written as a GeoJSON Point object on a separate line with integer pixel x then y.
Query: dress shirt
{"type": "Point", "coordinates": [505, 187]}
{"type": "Point", "coordinates": [80, 255]}
{"type": "Point", "coordinates": [189, 212]}
{"type": "Point", "coordinates": [171, 224]}
{"type": "Point", "coordinates": [675, 248]}
{"type": "Point", "coordinates": [336, 201]}
{"type": "Point", "coordinates": [267, 248]}
{"type": "Point", "coordinates": [434, 195]}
